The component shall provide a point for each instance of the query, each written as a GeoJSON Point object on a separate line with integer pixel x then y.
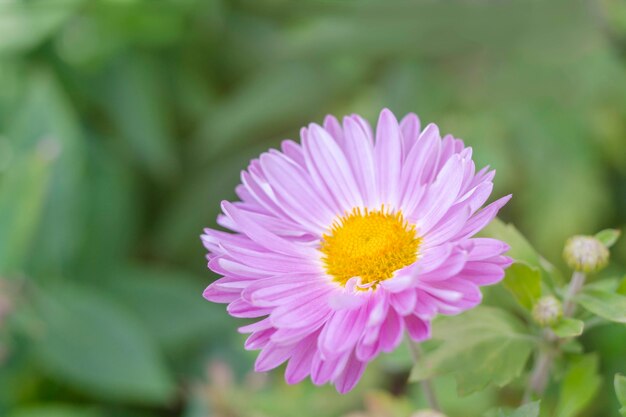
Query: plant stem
{"type": "Point", "coordinates": [427, 388]}
{"type": "Point", "coordinates": [541, 371]}
{"type": "Point", "coordinates": [578, 279]}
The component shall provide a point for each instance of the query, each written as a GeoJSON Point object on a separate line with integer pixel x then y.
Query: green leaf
{"type": "Point", "coordinates": [608, 236]}
{"type": "Point", "coordinates": [526, 410]}
{"type": "Point", "coordinates": [524, 282]}
{"type": "Point", "coordinates": [135, 100]}
{"type": "Point", "coordinates": [480, 347]}
{"type": "Point", "coordinates": [568, 327]}
{"type": "Point", "coordinates": [579, 386]}
{"type": "Point", "coordinates": [57, 410]}
{"type": "Point", "coordinates": [92, 344]}
{"type": "Point", "coordinates": [57, 135]}
{"type": "Point", "coordinates": [621, 289]}
{"type": "Point", "coordinates": [23, 25]}
{"type": "Point", "coordinates": [22, 193]}
{"type": "Point", "coordinates": [605, 304]}
{"type": "Point", "coordinates": [170, 305]}
{"type": "Point", "coordinates": [521, 249]}
{"type": "Point", "coordinates": [620, 390]}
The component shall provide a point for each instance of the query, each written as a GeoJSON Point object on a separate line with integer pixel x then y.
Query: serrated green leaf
{"type": "Point", "coordinates": [620, 391]}
{"type": "Point", "coordinates": [524, 282]}
{"type": "Point", "coordinates": [526, 410]}
{"type": "Point", "coordinates": [480, 347]}
{"type": "Point", "coordinates": [91, 343]}
{"type": "Point", "coordinates": [605, 304]}
{"type": "Point", "coordinates": [568, 327]}
{"type": "Point", "coordinates": [608, 236]}
{"type": "Point", "coordinates": [579, 386]}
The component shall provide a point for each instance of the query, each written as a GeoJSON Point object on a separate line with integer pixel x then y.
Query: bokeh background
{"type": "Point", "coordinates": [123, 123]}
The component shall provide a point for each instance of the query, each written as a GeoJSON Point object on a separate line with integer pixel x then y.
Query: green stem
{"type": "Point", "coordinates": [427, 388]}
{"type": "Point", "coordinates": [543, 365]}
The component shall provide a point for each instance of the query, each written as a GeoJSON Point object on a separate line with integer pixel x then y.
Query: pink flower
{"type": "Point", "coordinates": [345, 242]}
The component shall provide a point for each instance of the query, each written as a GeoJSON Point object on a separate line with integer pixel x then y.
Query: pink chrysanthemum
{"type": "Point", "coordinates": [343, 243]}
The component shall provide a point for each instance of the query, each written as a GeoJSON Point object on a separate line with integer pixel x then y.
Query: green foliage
{"type": "Point", "coordinates": [22, 193]}
{"type": "Point", "coordinates": [91, 343]}
{"type": "Point", "coordinates": [620, 390]}
{"type": "Point", "coordinates": [621, 289]}
{"type": "Point", "coordinates": [56, 411]}
{"type": "Point", "coordinates": [527, 410]}
{"type": "Point", "coordinates": [523, 252]}
{"type": "Point", "coordinates": [481, 347]}
{"type": "Point", "coordinates": [524, 282]}
{"type": "Point", "coordinates": [568, 327]}
{"type": "Point", "coordinates": [169, 309]}
{"type": "Point", "coordinates": [23, 25]}
{"type": "Point", "coordinates": [580, 384]}
{"type": "Point", "coordinates": [608, 236]}
{"type": "Point", "coordinates": [605, 304]}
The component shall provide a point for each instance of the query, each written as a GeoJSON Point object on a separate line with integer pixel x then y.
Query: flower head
{"type": "Point", "coordinates": [344, 242]}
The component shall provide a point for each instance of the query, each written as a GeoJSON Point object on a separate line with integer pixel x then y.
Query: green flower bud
{"type": "Point", "coordinates": [547, 311]}
{"type": "Point", "coordinates": [585, 254]}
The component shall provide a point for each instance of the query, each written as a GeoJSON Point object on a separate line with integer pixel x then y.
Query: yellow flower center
{"type": "Point", "coordinates": [371, 245]}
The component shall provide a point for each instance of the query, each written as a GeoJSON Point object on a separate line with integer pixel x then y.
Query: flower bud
{"type": "Point", "coordinates": [428, 413]}
{"type": "Point", "coordinates": [585, 254]}
{"type": "Point", "coordinates": [547, 311]}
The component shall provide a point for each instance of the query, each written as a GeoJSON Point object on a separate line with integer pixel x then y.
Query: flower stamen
{"type": "Point", "coordinates": [370, 244]}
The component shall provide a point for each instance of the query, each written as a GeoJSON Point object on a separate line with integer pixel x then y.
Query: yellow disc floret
{"type": "Point", "coordinates": [370, 244]}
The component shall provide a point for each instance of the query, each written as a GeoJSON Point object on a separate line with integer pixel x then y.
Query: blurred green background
{"type": "Point", "coordinates": [123, 123]}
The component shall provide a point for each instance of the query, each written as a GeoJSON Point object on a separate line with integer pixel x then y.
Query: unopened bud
{"type": "Point", "coordinates": [547, 311]}
{"type": "Point", "coordinates": [428, 413]}
{"type": "Point", "coordinates": [585, 254]}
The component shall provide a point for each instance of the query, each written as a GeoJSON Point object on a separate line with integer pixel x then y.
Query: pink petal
{"type": "Point", "coordinates": [478, 221]}
{"type": "Point", "coordinates": [350, 376]}
{"type": "Point", "coordinates": [342, 331]}
{"type": "Point", "coordinates": [360, 155]}
{"type": "Point", "coordinates": [388, 158]}
{"type": "Point", "coordinates": [412, 178]}
{"type": "Point", "coordinates": [272, 356]}
{"type": "Point", "coordinates": [326, 161]}
{"type": "Point", "coordinates": [404, 302]}
{"type": "Point", "coordinates": [306, 311]}
{"type": "Point", "coordinates": [264, 237]}
{"type": "Point", "coordinates": [418, 329]}
{"type": "Point", "coordinates": [410, 127]}
{"type": "Point", "coordinates": [323, 370]}
{"type": "Point", "coordinates": [296, 193]}
{"type": "Point", "coordinates": [440, 195]}
{"type": "Point", "coordinates": [391, 331]}
{"type": "Point", "coordinates": [299, 366]}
